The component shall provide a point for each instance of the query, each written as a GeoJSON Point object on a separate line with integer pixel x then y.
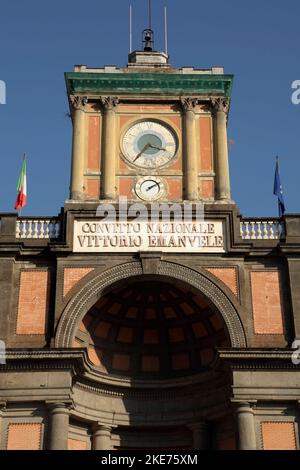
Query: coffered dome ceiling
{"type": "Point", "coordinates": [152, 330]}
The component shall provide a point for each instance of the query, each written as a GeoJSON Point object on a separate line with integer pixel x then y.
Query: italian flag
{"type": "Point", "coordinates": [22, 187]}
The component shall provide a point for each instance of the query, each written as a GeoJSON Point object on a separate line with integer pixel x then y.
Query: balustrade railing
{"type": "Point", "coordinates": [38, 228]}
{"type": "Point", "coordinates": [50, 228]}
{"type": "Point", "coordinates": [262, 229]}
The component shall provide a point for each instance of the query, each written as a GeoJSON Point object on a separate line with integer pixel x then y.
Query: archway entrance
{"type": "Point", "coordinates": [162, 336]}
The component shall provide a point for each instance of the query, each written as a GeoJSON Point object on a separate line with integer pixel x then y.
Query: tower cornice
{"type": "Point", "coordinates": [150, 83]}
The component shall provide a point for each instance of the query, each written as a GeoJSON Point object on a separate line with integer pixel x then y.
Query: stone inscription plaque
{"type": "Point", "coordinates": [98, 236]}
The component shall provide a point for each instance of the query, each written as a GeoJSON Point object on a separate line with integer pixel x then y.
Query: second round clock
{"type": "Point", "coordinates": [150, 188]}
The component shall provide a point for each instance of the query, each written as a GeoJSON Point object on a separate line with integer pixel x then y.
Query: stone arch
{"type": "Point", "coordinates": [88, 295]}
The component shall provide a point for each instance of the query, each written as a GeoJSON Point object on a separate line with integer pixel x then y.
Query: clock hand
{"type": "Point", "coordinates": [142, 151]}
{"type": "Point", "coordinates": [153, 186]}
{"type": "Point", "coordinates": [155, 147]}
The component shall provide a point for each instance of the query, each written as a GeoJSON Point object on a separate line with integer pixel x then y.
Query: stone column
{"type": "Point", "coordinates": [246, 427]}
{"type": "Point", "coordinates": [2, 411]}
{"type": "Point", "coordinates": [109, 147]}
{"type": "Point", "coordinates": [59, 426]}
{"type": "Point", "coordinates": [190, 154]}
{"type": "Point", "coordinates": [200, 436]}
{"type": "Point", "coordinates": [101, 437]}
{"type": "Point", "coordinates": [221, 106]}
{"type": "Point", "coordinates": [78, 148]}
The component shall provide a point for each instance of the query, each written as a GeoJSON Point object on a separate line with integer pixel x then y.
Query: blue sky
{"type": "Point", "coordinates": [256, 41]}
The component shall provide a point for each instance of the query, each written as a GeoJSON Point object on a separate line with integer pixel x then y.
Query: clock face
{"type": "Point", "coordinates": [149, 144]}
{"type": "Point", "coordinates": [150, 188]}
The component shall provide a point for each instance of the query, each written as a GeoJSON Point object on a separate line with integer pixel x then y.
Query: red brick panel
{"type": "Point", "coordinates": [33, 302]}
{"type": "Point", "coordinates": [76, 444]}
{"type": "Point", "coordinates": [72, 276]}
{"type": "Point", "coordinates": [24, 436]}
{"type": "Point", "coordinates": [126, 185]}
{"type": "Point", "coordinates": [92, 186]}
{"type": "Point", "coordinates": [175, 189]}
{"type": "Point", "coordinates": [205, 144]}
{"type": "Point", "coordinates": [207, 188]}
{"type": "Point", "coordinates": [228, 276]}
{"type": "Point", "coordinates": [94, 143]}
{"type": "Point", "coordinates": [278, 436]}
{"type": "Point", "coordinates": [266, 302]}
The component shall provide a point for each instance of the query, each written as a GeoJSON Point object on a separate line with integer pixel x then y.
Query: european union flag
{"type": "Point", "coordinates": [278, 191]}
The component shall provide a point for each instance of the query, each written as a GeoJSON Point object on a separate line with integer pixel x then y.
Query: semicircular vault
{"type": "Point", "coordinates": [152, 330]}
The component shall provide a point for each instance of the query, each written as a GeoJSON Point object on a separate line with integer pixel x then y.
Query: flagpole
{"type": "Point", "coordinates": [278, 202]}
{"type": "Point", "coordinates": [20, 187]}
{"type": "Point", "coordinates": [20, 211]}
{"type": "Point", "coordinates": [277, 190]}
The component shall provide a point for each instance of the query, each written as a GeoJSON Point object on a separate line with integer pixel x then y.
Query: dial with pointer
{"type": "Point", "coordinates": [149, 144]}
{"type": "Point", "coordinates": [150, 188]}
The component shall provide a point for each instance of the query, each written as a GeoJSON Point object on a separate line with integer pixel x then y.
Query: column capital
{"type": "Point", "coordinates": [59, 407]}
{"type": "Point", "coordinates": [188, 103]}
{"type": "Point", "coordinates": [220, 104]}
{"type": "Point", "coordinates": [244, 406]}
{"type": "Point", "coordinates": [78, 102]}
{"type": "Point", "coordinates": [109, 103]}
{"type": "Point", "coordinates": [105, 428]}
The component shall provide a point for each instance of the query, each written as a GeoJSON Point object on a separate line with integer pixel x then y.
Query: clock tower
{"type": "Point", "coordinates": [149, 132]}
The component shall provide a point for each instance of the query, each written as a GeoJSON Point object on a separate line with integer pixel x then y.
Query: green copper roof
{"type": "Point", "coordinates": [152, 83]}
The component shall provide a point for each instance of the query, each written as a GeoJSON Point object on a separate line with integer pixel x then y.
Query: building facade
{"type": "Point", "coordinates": [127, 331]}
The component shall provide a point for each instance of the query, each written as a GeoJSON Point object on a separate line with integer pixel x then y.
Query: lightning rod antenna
{"type": "Point", "coordinates": [150, 14]}
{"type": "Point", "coordinates": [130, 29]}
{"type": "Point", "coordinates": [166, 31]}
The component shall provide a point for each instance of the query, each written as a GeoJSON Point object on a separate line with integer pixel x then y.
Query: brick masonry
{"type": "Point", "coordinates": [228, 276]}
{"type": "Point", "coordinates": [94, 130]}
{"type": "Point", "coordinates": [206, 163]}
{"type": "Point", "coordinates": [72, 276]}
{"type": "Point", "coordinates": [24, 436]}
{"type": "Point", "coordinates": [207, 188]}
{"type": "Point", "coordinates": [33, 302]}
{"type": "Point", "coordinates": [266, 302]}
{"type": "Point", "coordinates": [76, 444]}
{"type": "Point", "coordinates": [278, 436]}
